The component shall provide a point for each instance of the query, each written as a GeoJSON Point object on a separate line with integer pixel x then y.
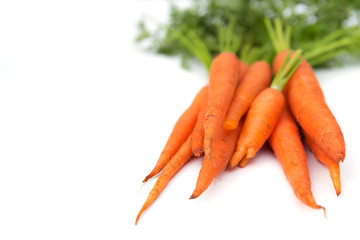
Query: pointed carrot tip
{"type": "Point", "coordinates": [195, 194]}
{"type": "Point", "coordinates": [251, 152]}
{"type": "Point", "coordinates": [137, 218]}
{"type": "Point", "coordinates": [237, 156]}
{"type": "Point", "coordinates": [338, 193]}
{"type": "Point", "coordinates": [243, 162]}
{"type": "Point", "coordinates": [198, 153]}
{"type": "Point", "coordinates": [324, 209]}
{"type": "Point", "coordinates": [230, 124]}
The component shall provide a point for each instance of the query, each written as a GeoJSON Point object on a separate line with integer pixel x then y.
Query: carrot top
{"type": "Point", "coordinates": [285, 72]}
{"type": "Point", "coordinates": [281, 41]}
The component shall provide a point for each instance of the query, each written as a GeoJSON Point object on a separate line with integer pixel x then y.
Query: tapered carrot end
{"type": "Point", "coordinates": [230, 124]}
{"type": "Point", "coordinates": [148, 177]}
{"type": "Point", "coordinates": [324, 209]}
{"type": "Point", "coordinates": [250, 153]}
{"type": "Point", "coordinates": [139, 214]}
{"type": "Point", "coordinates": [194, 195]}
{"type": "Point", "coordinates": [337, 187]}
{"type": "Point", "coordinates": [243, 162]}
{"type": "Point", "coordinates": [198, 152]}
{"type": "Point", "coordinates": [237, 156]}
{"type": "Point", "coordinates": [154, 172]}
{"type": "Point", "coordinates": [137, 219]}
{"type": "Point", "coordinates": [334, 170]}
{"type": "Point", "coordinates": [145, 179]}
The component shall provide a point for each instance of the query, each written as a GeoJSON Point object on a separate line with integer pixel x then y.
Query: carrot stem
{"type": "Point", "coordinates": [272, 35]}
{"type": "Point", "coordinates": [325, 48]}
{"type": "Point", "coordinates": [285, 72]}
{"type": "Point", "coordinates": [195, 45]}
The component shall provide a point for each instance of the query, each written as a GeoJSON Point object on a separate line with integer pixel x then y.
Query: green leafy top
{"type": "Point", "coordinates": [323, 29]}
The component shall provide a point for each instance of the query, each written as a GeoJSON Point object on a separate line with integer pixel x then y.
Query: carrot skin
{"type": "Point", "coordinates": [224, 146]}
{"type": "Point", "coordinates": [172, 167]}
{"type": "Point", "coordinates": [256, 79]}
{"type": "Point", "coordinates": [197, 136]}
{"type": "Point", "coordinates": [333, 166]}
{"type": "Point", "coordinates": [244, 67]}
{"type": "Point", "coordinates": [260, 120]}
{"type": "Point", "coordinates": [307, 103]}
{"type": "Point", "coordinates": [287, 145]}
{"type": "Point", "coordinates": [181, 131]}
{"type": "Point", "coordinates": [223, 80]}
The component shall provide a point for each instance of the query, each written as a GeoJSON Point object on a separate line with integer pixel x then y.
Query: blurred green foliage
{"type": "Point", "coordinates": [310, 20]}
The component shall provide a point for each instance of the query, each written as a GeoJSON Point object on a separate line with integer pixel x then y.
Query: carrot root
{"type": "Point", "coordinates": [181, 131]}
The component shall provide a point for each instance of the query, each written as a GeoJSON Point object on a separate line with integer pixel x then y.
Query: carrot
{"type": "Point", "coordinates": [172, 167]}
{"type": "Point", "coordinates": [257, 78]}
{"type": "Point", "coordinates": [244, 67]}
{"type": "Point", "coordinates": [181, 131]}
{"type": "Point", "coordinates": [333, 166]}
{"type": "Point", "coordinates": [197, 136]}
{"type": "Point", "coordinates": [224, 146]}
{"type": "Point", "coordinates": [259, 123]}
{"type": "Point", "coordinates": [289, 150]}
{"type": "Point", "coordinates": [223, 80]}
{"type": "Point", "coordinates": [263, 115]}
{"type": "Point", "coordinates": [307, 103]}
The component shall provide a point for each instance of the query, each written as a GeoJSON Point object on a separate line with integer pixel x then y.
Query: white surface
{"type": "Point", "coordinates": [84, 114]}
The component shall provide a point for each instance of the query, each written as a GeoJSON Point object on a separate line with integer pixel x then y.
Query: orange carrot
{"type": "Point", "coordinates": [289, 150]}
{"type": "Point", "coordinates": [224, 146]}
{"type": "Point", "coordinates": [259, 123]}
{"type": "Point", "coordinates": [307, 103]}
{"type": "Point", "coordinates": [181, 131]}
{"type": "Point", "coordinates": [257, 78]}
{"type": "Point", "coordinates": [263, 114]}
{"type": "Point", "coordinates": [223, 80]}
{"type": "Point", "coordinates": [197, 136]}
{"type": "Point", "coordinates": [334, 167]}
{"type": "Point", "coordinates": [172, 167]}
{"type": "Point", "coordinates": [244, 67]}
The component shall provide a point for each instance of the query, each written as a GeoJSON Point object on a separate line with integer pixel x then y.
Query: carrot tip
{"type": "Point", "coordinates": [243, 162]}
{"type": "Point", "coordinates": [230, 124]}
{"type": "Point", "coordinates": [195, 194]}
{"type": "Point", "coordinates": [197, 152]}
{"type": "Point", "coordinates": [250, 153]}
{"type": "Point", "coordinates": [237, 156]}
{"type": "Point", "coordinates": [324, 209]}
{"type": "Point", "coordinates": [137, 217]}
{"type": "Point", "coordinates": [145, 179]}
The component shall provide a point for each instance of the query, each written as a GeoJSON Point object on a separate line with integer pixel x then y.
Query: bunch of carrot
{"type": "Point", "coordinates": [241, 109]}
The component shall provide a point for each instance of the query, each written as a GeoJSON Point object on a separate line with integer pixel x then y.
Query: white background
{"type": "Point", "coordinates": [85, 112]}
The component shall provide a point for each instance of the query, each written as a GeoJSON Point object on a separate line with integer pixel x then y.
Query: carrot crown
{"type": "Point", "coordinates": [281, 41]}
{"type": "Point", "coordinates": [287, 68]}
